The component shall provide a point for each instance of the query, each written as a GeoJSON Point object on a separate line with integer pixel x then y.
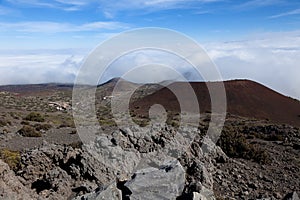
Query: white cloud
{"type": "Point", "coordinates": [272, 59]}
{"type": "Point", "coordinates": [38, 67]}
{"type": "Point", "coordinates": [292, 12]}
{"type": "Point", "coordinates": [148, 66]}
{"type": "Point", "coordinates": [56, 27]}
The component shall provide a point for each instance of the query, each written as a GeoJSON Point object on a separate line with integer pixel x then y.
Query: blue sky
{"type": "Point", "coordinates": [60, 23]}
{"type": "Point", "coordinates": [255, 39]}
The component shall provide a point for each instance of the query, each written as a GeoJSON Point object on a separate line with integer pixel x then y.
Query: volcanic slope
{"type": "Point", "coordinates": [245, 98]}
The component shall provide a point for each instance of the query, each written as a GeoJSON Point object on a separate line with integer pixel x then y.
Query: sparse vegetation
{"type": "Point", "coordinates": [5, 131]}
{"type": "Point", "coordinates": [265, 132]}
{"type": "Point", "coordinates": [248, 141]}
{"type": "Point", "coordinates": [67, 123]}
{"type": "Point", "coordinates": [269, 137]}
{"type": "Point", "coordinates": [12, 158]}
{"type": "Point", "coordinates": [35, 117]}
{"type": "Point", "coordinates": [44, 127]}
{"type": "Point", "coordinates": [25, 123]}
{"type": "Point", "coordinates": [173, 122]}
{"type": "Point", "coordinates": [107, 122]}
{"type": "Point", "coordinates": [4, 122]}
{"type": "Point", "coordinates": [76, 145]}
{"type": "Point", "coordinates": [29, 131]}
{"type": "Point", "coordinates": [235, 145]}
{"type": "Point", "coordinates": [142, 122]}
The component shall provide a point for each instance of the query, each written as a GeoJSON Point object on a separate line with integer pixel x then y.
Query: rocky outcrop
{"type": "Point", "coordinates": [120, 162]}
{"type": "Point", "coordinates": [59, 172]}
{"type": "Point", "coordinates": [160, 163]}
{"type": "Point", "coordinates": [139, 161]}
{"type": "Point", "coordinates": [164, 182]}
{"type": "Point", "coordinates": [126, 150]}
{"type": "Point", "coordinates": [11, 188]}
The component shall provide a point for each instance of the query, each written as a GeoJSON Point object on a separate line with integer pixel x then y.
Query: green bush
{"type": "Point", "coordinates": [235, 145]}
{"type": "Point", "coordinates": [29, 131]}
{"type": "Point", "coordinates": [141, 122]}
{"type": "Point", "coordinates": [107, 122]}
{"type": "Point", "coordinates": [274, 137]}
{"type": "Point", "coordinates": [76, 145]}
{"type": "Point", "coordinates": [12, 158]}
{"type": "Point", "coordinates": [25, 123]}
{"type": "Point", "coordinates": [173, 122]}
{"type": "Point", "coordinates": [67, 123]}
{"type": "Point", "coordinates": [44, 127]}
{"type": "Point", "coordinates": [35, 117]}
{"type": "Point", "coordinates": [4, 122]}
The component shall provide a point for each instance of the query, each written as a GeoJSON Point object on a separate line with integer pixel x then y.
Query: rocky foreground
{"type": "Point", "coordinates": [249, 162]}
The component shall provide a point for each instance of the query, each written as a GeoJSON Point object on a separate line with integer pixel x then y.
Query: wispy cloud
{"type": "Point", "coordinates": [68, 5]}
{"type": "Point", "coordinates": [292, 12]}
{"type": "Point", "coordinates": [56, 27]}
{"type": "Point", "coordinates": [172, 2]}
{"type": "Point", "coordinates": [110, 8]}
{"type": "Point", "coordinates": [5, 10]}
{"type": "Point", "coordinates": [259, 3]}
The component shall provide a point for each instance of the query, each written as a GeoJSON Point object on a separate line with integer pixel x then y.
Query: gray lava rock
{"type": "Point", "coordinates": [60, 172]}
{"type": "Point", "coordinates": [166, 182]}
{"type": "Point", "coordinates": [122, 163]}
{"type": "Point", "coordinates": [292, 196]}
{"type": "Point", "coordinates": [10, 186]}
{"type": "Point", "coordinates": [111, 193]}
{"type": "Point", "coordinates": [205, 194]}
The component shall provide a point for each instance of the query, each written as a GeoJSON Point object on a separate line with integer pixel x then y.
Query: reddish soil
{"type": "Point", "coordinates": [244, 98]}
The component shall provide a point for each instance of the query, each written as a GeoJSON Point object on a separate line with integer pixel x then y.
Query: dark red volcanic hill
{"type": "Point", "coordinates": [244, 98]}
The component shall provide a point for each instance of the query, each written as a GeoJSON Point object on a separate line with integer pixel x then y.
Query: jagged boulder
{"type": "Point", "coordinates": [117, 160]}
{"type": "Point", "coordinates": [166, 182]}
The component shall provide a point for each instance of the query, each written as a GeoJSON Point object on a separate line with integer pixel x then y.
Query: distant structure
{"type": "Point", "coordinates": [108, 97]}
{"type": "Point", "coordinates": [60, 106]}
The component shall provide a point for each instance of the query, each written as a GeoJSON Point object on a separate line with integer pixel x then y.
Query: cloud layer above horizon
{"type": "Point", "coordinates": [271, 59]}
{"type": "Point", "coordinates": [47, 41]}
